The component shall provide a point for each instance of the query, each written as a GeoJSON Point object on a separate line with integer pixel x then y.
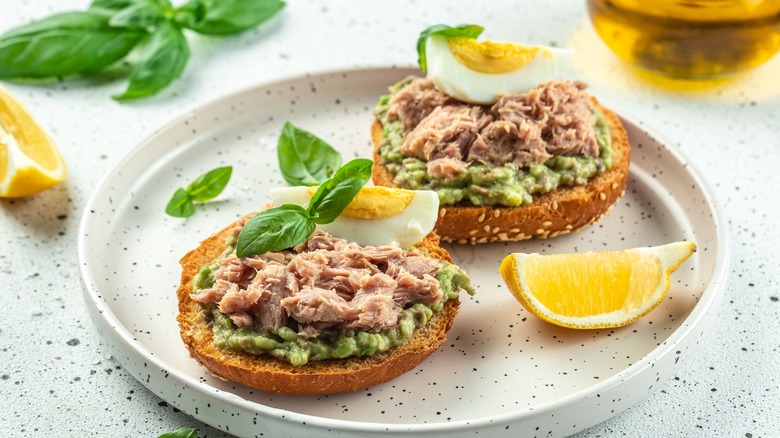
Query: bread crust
{"type": "Point", "coordinates": [269, 374]}
{"type": "Point", "coordinates": [561, 211]}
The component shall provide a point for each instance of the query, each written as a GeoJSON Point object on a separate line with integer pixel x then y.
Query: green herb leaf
{"type": "Point", "coordinates": [163, 58]}
{"type": "Point", "coordinates": [109, 6]}
{"type": "Point", "coordinates": [64, 44]}
{"type": "Point", "coordinates": [471, 31]}
{"type": "Point", "coordinates": [210, 184]}
{"type": "Point", "coordinates": [305, 159]}
{"type": "Point", "coordinates": [189, 14]}
{"type": "Point", "coordinates": [224, 17]}
{"type": "Point", "coordinates": [143, 14]}
{"type": "Point", "coordinates": [274, 230]}
{"type": "Point", "coordinates": [181, 433]}
{"type": "Point", "coordinates": [205, 187]}
{"type": "Point", "coordinates": [333, 196]}
{"type": "Point", "coordinates": [180, 204]}
{"type": "Point", "coordinates": [288, 225]}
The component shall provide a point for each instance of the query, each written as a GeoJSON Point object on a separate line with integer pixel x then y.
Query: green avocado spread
{"type": "Point", "coordinates": [484, 184]}
{"type": "Point", "coordinates": [287, 345]}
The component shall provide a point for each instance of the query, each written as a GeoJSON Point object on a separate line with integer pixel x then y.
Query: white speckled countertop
{"type": "Point", "coordinates": [57, 378]}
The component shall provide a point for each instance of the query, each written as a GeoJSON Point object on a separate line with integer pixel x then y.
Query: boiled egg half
{"type": "Point", "coordinates": [377, 215]}
{"type": "Point", "coordinates": [481, 72]}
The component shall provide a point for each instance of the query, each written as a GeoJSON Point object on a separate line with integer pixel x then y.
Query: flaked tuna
{"type": "Point", "coordinates": [327, 283]}
{"type": "Point", "coordinates": [345, 281]}
{"type": "Point", "coordinates": [236, 270]}
{"type": "Point", "coordinates": [415, 102]}
{"type": "Point", "coordinates": [560, 110]}
{"type": "Point", "coordinates": [376, 312]}
{"type": "Point", "coordinates": [553, 119]}
{"type": "Point", "coordinates": [374, 299]}
{"type": "Point", "coordinates": [215, 293]}
{"type": "Point", "coordinates": [273, 282]}
{"type": "Point", "coordinates": [504, 142]}
{"type": "Point", "coordinates": [415, 264]}
{"type": "Point", "coordinates": [416, 290]}
{"type": "Point", "coordinates": [313, 304]}
{"type": "Point", "coordinates": [238, 303]}
{"type": "Point", "coordinates": [447, 132]}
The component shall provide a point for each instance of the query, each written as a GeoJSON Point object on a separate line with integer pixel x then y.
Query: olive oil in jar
{"type": "Point", "coordinates": [690, 38]}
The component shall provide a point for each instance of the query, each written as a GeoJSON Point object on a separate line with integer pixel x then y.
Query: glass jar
{"type": "Point", "coordinates": [690, 38]}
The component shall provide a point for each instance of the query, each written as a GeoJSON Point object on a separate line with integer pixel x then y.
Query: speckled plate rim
{"type": "Point", "coordinates": [709, 300]}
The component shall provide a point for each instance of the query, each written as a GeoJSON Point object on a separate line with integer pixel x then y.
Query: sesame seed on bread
{"type": "Point", "coordinates": [561, 211]}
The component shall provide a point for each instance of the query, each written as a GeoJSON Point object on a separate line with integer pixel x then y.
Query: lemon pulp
{"type": "Point", "coordinates": [601, 282]}
{"type": "Point", "coordinates": [30, 139]}
{"type": "Point", "coordinates": [29, 160]}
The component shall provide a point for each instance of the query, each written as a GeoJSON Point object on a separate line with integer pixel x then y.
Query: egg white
{"type": "Point", "coordinates": [404, 229]}
{"type": "Point", "coordinates": [471, 86]}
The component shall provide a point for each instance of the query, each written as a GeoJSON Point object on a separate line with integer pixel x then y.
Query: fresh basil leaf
{"type": "Point", "coordinates": [471, 31]}
{"type": "Point", "coordinates": [163, 58]}
{"type": "Point", "coordinates": [206, 186]}
{"type": "Point", "coordinates": [110, 6]}
{"type": "Point", "coordinates": [304, 159]}
{"type": "Point", "coordinates": [333, 196]}
{"type": "Point", "coordinates": [288, 225]}
{"type": "Point", "coordinates": [144, 14]}
{"type": "Point", "coordinates": [190, 13]}
{"type": "Point", "coordinates": [210, 184]}
{"type": "Point", "coordinates": [165, 5]}
{"type": "Point", "coordinates": [224, 17]}
{"type": "Point", "coordinates": [274, 230]}
{"type": "Point", "coordinates": [180, 204]}
{"type": "Point", "coordinates": [64, 44]}
{"type": "Point", "coordinates": [181, 433]}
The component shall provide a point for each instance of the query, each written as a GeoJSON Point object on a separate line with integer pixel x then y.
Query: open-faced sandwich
{"type": "Point", "coordinates": [512, 150]}
{"type": "Point", "coordinates": [308, 297]}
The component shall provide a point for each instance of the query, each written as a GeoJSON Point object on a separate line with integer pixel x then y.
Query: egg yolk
{"type": "Point", "coordinates": [375, 202]}
{"type": "Point", "coordinates": [492, 57]}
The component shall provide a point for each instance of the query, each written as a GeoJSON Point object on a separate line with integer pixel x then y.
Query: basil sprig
{"type": "Point", "coordinates": [162, 60]}
{"type": "Point", "coordinates": [333, 195]}
{"type": "Point", "coordinates": [145, 15]}
{"type": "Point", "coordinates": [220, 17]}
{"type": "Point", "coordinates": [64, 44]}
{"type": "Point", "coordinates": [205, 187]}
{"type": "Point", "coordinates": [288, 225]}
{"type": "Point", "coordinates": [471, 31]}
{"type": "Point", "coordinates": [304, 159]}
{"type": "Point", "coordinates": [189, 432]}
{"type": "Point", "coordinates": [84, 42]}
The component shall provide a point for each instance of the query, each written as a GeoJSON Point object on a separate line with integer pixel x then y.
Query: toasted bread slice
{"type": "Point", "coordinates": [316, 377]}
{"type": "Point", "coordinates": [561, 211]}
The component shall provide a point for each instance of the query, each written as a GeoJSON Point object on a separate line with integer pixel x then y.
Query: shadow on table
{"type": "Point", "coordinates": [45, 215]}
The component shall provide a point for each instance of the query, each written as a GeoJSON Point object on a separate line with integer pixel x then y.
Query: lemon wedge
{"type": "Point", "coordinates": [29, 160]}
{"type": "Point", "coordinates": [594, 289]}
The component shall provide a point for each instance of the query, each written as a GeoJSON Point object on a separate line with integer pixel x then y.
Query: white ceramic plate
{"type": "Point", "coordinates": [502, 371]}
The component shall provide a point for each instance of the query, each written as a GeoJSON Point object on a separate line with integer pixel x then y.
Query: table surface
{"type": "Point", "coordinates": [56, 376]}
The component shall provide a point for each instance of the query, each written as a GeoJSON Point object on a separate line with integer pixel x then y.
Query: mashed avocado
{"type": "Point", "coordinates": [285, 343]}
{"type": "Point", "coordinates": [484, 184]}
